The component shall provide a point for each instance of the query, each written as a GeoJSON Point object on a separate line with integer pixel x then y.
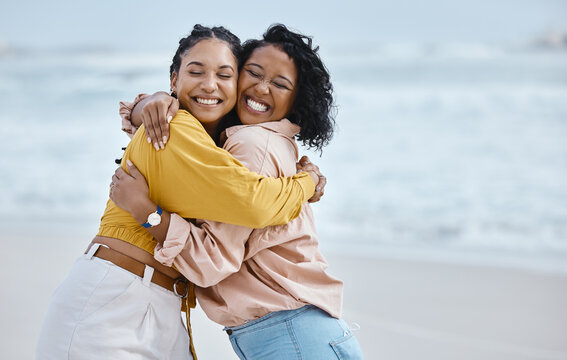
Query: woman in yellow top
{"type": "Point", "coordinates": [118, 302]}
{"type": "Point", "coordinates": [269, 287]}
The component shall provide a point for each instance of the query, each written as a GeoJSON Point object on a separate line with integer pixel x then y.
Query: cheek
{"type": "Point", "coordinates": [229, 89]}
{"type": "Point", "coordinates": [285, 102]}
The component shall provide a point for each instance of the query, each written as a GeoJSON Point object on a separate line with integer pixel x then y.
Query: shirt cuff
{"type": "Point", "coordinates": [177, 234]}
{"type": "Point", "coordinates": [306, 183]}
{"type": "Point", "coordinates": [126, 114]}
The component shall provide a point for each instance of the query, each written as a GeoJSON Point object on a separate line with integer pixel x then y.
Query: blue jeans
{"type": "Point", "coordinates": [307, 333]}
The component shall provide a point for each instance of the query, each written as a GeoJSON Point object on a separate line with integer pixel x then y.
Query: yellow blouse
{"type": "Point", "coordinates": [196, 179]}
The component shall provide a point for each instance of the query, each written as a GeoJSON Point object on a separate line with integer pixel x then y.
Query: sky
{"type": "Point", "coordinates": [138, 24]}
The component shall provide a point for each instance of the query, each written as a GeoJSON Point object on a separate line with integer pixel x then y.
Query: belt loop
{"type": "Point", "coordinates": [89, 255]}
{"type": "Point", "coordinates": [148, 274]}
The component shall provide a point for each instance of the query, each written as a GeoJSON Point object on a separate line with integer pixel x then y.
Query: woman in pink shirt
{"type": "Point", "coordinates": [268, 287]}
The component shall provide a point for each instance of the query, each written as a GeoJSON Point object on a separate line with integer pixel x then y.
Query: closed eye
{"type": "Point", "coordinates": [280, 86]}
{"type": "Point", "coordinates": [252, 73]}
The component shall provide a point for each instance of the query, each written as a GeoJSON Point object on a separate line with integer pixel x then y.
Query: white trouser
{"type": "Point", "coordinates": [102, 311]}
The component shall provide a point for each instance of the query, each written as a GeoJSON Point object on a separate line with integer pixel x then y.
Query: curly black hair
{"type": "Point", "coordinates": [313, 109]}
{"type": "Point", "coordinates": [199, 33]}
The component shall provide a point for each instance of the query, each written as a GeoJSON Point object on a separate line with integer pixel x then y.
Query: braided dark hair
{"type": "Point", "coordinates": [313, 109]}
{"type": "Point", "coordinates": [199, 33]}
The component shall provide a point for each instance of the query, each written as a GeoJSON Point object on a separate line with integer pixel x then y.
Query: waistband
{"type": "Point", "coordinates": [179, 286]}
{"type": "Point", "coordinates": [271, 318]}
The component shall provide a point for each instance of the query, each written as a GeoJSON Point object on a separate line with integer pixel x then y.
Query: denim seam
{"type": "Point", "coordinates": [339, 356]}
{"type": "Point", "coordinates": [250, 323]}
{"type": "Point", "coordinates": [293, 339]}
{"type": "Point", "coordinates": [245, 328]}
{"type": "Point", "coordinates": [342, 340]}
{"type": "Point", "coordinates": [237, 349]}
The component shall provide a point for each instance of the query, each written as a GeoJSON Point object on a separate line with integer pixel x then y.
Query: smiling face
{"type": "Point", "coordinates": [267, 86]}
{"type": "Point", "coordinates": [206, 82]}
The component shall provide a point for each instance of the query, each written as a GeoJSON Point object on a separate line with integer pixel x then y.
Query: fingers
{"type": "Point", "coordinates": [300, 165]}
{"type": "Point", "coordinates": [305, 164]}
{"type": "Point", "coordinates": [322, 183]}
{"type": "Point", "coordinates": [150, 131]}
{"type": "Point", "coordinates": [134, 172]}
{"type": "Point", "coordinates": [304, 160]}
{"type": "Point", "coordinates": [163, 128]}
{"type": "Point", "coordinates": [319, 190]}
{"type": "Point", "coordinates": [310, 167]}
{"type": "Point", "coordinates": [119, 173]}
{"type": "Point", "coordinates": [171, 111]}
{"type": "Point", "coordinates": [154, 118]}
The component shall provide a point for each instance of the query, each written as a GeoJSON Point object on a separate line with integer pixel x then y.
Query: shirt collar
{"type": "Point", "coordinates": [283, 126]}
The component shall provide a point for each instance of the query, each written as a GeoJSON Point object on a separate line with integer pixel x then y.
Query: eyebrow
{"type": "Point", "coordinates": [201, 64]}
{"type": "Point", "coordinates": [280, 76]}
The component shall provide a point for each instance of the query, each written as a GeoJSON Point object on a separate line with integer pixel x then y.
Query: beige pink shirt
{"type": "Point", "coordinates": [241, 273]}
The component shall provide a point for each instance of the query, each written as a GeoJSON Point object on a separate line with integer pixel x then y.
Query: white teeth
{"type": "Point", "coordinates": [256, 105]}
{"type": "Point", "coordinates": [207, 101]}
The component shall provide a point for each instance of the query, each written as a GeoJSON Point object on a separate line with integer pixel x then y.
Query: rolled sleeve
{"type": "Point", "coordinates": [126, 115]}
{"type": "Point", "coordinates": [177, 235]}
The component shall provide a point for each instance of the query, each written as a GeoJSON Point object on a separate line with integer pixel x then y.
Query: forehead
{"type": "Point", "coordinates": [211, 52]}
{"type": "Point", "coordinates": [273, 58]}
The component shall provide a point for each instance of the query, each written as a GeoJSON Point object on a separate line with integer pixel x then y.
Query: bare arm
{"type": "Point", "coordinates": [131, 193]}
{"type": "Point", "coordinates": [155, 112]}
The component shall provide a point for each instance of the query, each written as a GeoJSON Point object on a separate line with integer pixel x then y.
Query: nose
{"type": "Point", "coordinates": [262, 87]}
{"type": "Point", "coordinates": [209, 83]}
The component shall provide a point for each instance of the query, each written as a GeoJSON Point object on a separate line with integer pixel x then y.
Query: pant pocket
{"type": "Point", "coordinates": [347, 347]}
{"type": "Point", "coordinates": [115, 287]}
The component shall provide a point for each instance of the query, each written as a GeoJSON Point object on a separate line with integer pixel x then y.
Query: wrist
{"type": "Point", "coordinates": [154, 219]}
{"type": "Point", "coordinates": [141, 211]}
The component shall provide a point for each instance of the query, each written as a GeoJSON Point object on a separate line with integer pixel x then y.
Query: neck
{"type": "Point", "coordinates": [211, 128]}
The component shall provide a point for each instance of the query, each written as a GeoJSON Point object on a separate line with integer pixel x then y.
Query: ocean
{"type": "Point", "coordinates": [452, 152]}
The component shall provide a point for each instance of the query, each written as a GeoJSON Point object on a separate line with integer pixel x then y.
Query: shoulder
{"type": "Point", "coordinates": [248, 144]}
{"type": "Point", "coordinates": [183, 120]}
{"type": "Point", "coordinates": [185, 127]}
{"type": "Point", "coordinates": [264, 134]}
{"type": "Point", "coordinates": [266, 148]}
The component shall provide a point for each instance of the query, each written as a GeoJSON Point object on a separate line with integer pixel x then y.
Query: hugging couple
{"type": "Point", "coordinates": [211, 204]}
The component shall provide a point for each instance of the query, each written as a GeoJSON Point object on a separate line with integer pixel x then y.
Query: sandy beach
{"type": "Point", "coordinates": [403, 309]}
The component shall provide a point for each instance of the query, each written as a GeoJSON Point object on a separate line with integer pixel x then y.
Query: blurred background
{"type": "Point", "coordinates": [450, 146]}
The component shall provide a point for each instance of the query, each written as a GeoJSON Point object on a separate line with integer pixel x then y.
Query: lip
{"type": "Point", "coordinates": [248, 108]}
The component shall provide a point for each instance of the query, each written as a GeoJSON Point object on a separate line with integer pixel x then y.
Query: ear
{"type": "Point", "coordinates": [173, 82]}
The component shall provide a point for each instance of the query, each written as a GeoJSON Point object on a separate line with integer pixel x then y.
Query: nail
{"type": "Point", "coordinates": [161, 145]}
{"type": "Point", "coordinates": [169, 118]}
{"type": "Point", "coordinates": [156, 146]}
{"type": "Point", "coordinates": [165, 139]}
{"type": "Point", "coordinates": [129, 162]}
{"type": "Point", "coordinates": [149, 140]}
{"type": "Point", "coordinates": [318, 188]}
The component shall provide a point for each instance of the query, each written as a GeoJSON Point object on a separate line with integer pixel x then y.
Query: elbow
{"type": "Point", "coordinates": [270, 214]}
{"type": "Point", "coordinates": [260, 214]}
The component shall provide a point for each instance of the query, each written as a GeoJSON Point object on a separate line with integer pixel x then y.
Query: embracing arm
{"type": "Point", "coordinates": [154, 112]}
{"type": "Point", "coordinates": [196, 179]}
{"type": "Point", "coordinates": [205, 252]}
